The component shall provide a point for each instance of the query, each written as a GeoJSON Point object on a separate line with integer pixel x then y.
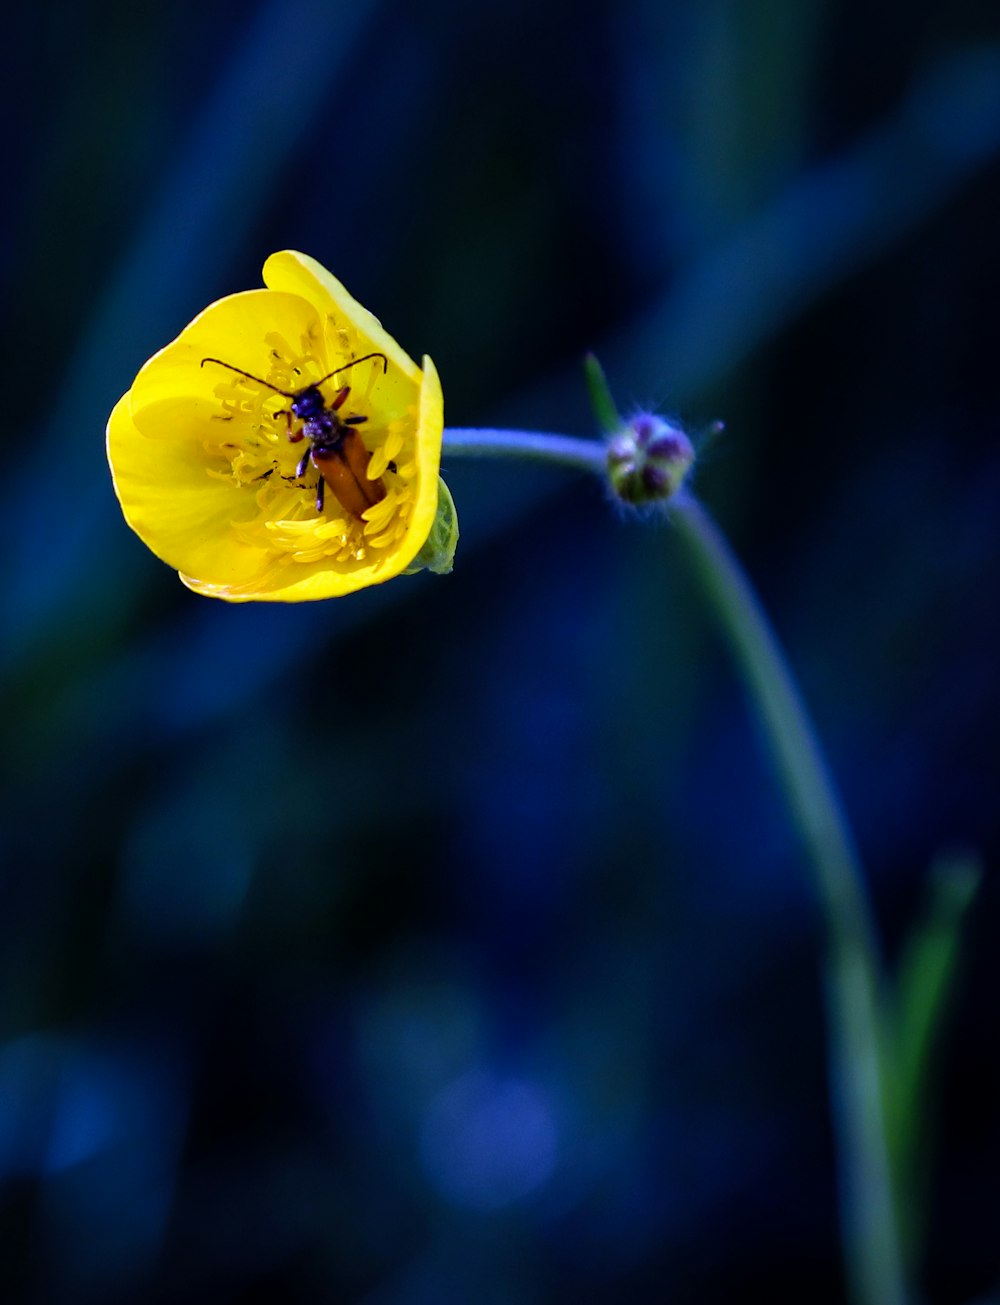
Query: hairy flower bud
{"type": "Point", "coordinates": [648, 460]}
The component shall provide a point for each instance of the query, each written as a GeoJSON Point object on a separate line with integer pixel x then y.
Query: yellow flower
{"type": "Point", "coordinates": [205, 448]}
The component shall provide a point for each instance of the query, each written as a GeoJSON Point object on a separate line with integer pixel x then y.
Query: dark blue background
{"type": "Point", "coordinates": [451, 942]}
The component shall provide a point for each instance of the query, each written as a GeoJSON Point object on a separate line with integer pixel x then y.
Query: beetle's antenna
{"type": "Point", "coordinates": [250, 377]}
{"type": "Point", "coordinates": [354, 363]}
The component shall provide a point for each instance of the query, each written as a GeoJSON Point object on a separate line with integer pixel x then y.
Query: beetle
{"type": "Point", "coordinates": [336, 449]}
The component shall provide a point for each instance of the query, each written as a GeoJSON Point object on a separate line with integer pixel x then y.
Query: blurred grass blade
{"type": "Point", "coordinates": [927, 969]}
{"type": "Point", "coordinates": [821, 229]}
{"type": "Point", "coordinates": [924, 988]}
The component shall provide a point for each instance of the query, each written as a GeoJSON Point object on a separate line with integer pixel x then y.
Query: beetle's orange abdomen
{"type": "Point", "coordinates": [345, 470]}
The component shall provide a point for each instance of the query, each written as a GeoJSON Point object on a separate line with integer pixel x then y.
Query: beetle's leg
{"type": "Point", "coordinates": [340, 398]}
{"type": "Point", "coordinates": [300, 470]}
{"type": "Point", "coordinates": [320, 492]}
{"type": "Point", "coordinates": [354, 421]}
{"type": "Point", "coordinates": [293, 439]}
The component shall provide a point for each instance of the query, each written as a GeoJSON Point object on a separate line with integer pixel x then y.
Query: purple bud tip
{"type": "Point", "coordinates": [670, 446]}
{"type": "Point", "coordinates": [645, 427]}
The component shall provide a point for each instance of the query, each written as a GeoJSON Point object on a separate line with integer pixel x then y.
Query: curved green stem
{"type": "Point", "coordinates": [869, 1215]}
{"type": "Point", "coordinates": [853, 985]}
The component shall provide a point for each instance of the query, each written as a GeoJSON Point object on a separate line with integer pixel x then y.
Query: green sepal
{"type": "Point", "coordinates": [438, 552]}
{"type": "Point", "coordinates": [600, 396]}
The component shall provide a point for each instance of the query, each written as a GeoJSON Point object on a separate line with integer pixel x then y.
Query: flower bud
{"type": "Point", "coordinates": [648, 460]}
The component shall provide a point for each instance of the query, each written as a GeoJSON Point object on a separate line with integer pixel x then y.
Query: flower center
{"type": "Point", "coordinates": [249, 446]}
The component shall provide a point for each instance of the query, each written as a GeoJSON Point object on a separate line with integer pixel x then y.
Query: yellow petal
{"type": "Point", "coordinates": [301, 275]}
{"type": "Point", "coordinates": [175, 392]}
{"type": "Point", "coordinates": [430, 429]}
{"type": "Point", "coordinates": [182, 514]}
